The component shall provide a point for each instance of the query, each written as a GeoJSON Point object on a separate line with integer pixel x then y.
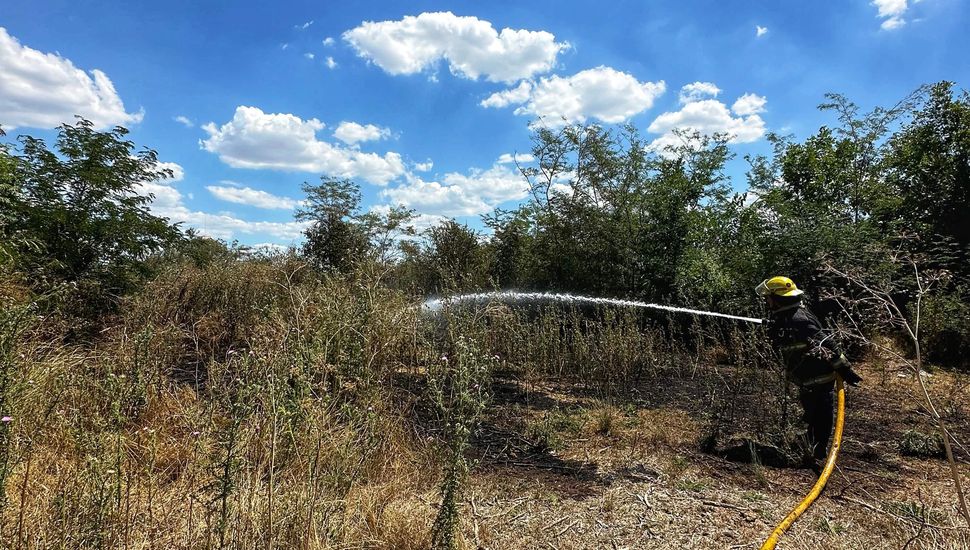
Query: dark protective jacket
{"type": "Point", "coordinates": [810, 356]}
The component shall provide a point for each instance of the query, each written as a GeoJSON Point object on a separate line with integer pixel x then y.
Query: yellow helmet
{"type": "Point", "coordinates": [778, 286]}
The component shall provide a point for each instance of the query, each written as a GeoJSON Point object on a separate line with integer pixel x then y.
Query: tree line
{"type": "Point", "coordinates": [606, 215]}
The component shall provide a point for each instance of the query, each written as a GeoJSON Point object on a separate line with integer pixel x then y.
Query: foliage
{"type": "Point", "coordinates": [75, 215]}
{"type": "Point", "coordinates": [458, 383]}
{"type": "Point", "coordinates": [946, 327]}
{"type": "Point", "coordinates": [341, 236]}
{"type": "Point", "coordinates": [452, 257]}
{"type": "Point", "coordinates": [928, 170]}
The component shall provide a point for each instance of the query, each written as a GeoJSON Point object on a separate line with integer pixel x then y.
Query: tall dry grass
{"type": "Point", "coordinates": [257, 404]}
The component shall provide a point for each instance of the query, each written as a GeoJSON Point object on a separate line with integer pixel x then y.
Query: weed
{"type": "Point", "coordinates": [458, 384]}
{"type": "Point", "coordinates": [919, 444]}
{"type": "Point", "coordinates": [549, 432]}
{"type": "Point", "coordinates": [694, 485]}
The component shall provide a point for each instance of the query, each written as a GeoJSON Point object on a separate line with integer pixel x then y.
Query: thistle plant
{"type": "Point", "coordinates": [458, 385]}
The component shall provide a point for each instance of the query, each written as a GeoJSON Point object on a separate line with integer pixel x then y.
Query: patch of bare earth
{"type": "Point", "coordinates": [560, 469]}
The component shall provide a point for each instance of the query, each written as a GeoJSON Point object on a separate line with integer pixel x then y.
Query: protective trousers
{"type": "Point", "coordinates": [819, 406]}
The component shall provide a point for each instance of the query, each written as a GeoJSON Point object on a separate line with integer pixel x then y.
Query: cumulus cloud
{"type": "Point", "coordinates": [602, 93]}
{"type": "Point", "coordinates": [309, 56]}
{"type": "Point", "coordinates": [424, 166]}
{"type": "Point", "coordinates": [168, 202]}
{"type": "Point", "coordinates": [352, 133]}
{"type": "Point", "coordinates": [252, 197]}
{"type": "Point", "coordinates": [760, 31]}
{"type": "Point", "coordinates": [698, 91]}
{"type": "Point", "coordinates": [328, 41]}
{"type": "Point", "coordinates": [749, 104]}
{"type": "Point", "coordinates": [512, 96]}
{"type": "Point", "coordinates": [709, 116]}
{"type": "Point", "coordinates": [892, 12]}
{"type": "Point", "coordinates": [457, 194]}
{"type": "Point", "coordinates": [44, 90]}
{"type": "Point", "coordinates": [331, 64]}
{"type": "Point", "coordinates": [471, 47]}
{"type": "Point", "coordinates": [257, 140]}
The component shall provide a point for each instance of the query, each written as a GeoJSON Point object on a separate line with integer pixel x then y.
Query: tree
{"type": "Point", "coordinates": [454, 257]}
{"type": "Point", "coordinates": [340, 236]}
{"type": "Point", "coordinates": [8, 196]}
{"type": "Point", "coordinates": [610, 217]}
{"type": "Point", "coordinates": [510, 246]}
{"type": "Point", "coordinates": [334, 241]}
{"type": "Point", "coordinates": [75, 215]}
{"type": "Point", "coordinates": [928, 172]}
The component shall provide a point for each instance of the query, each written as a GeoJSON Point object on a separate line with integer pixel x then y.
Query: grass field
{"type": "Point", "coordinates": [249, 405]}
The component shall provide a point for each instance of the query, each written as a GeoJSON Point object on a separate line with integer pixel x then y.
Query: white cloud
{"type": "Point", "coordinates": [472, 194]}
{"type": "Point", "coordinates": [257, 140]}
{"type": "Point", "coordinates": [710, 116]}
{"type": "Point", "coordinates": [892, 23]}
{"type": "Point", "coordinates": [892, 11]}
{"type": "Point", "coordinates": [509, 158]}
{"type": "Point", "coordinates": [44, 90]}
{"type": "Point", "coordinates": [167, 202]}
{"type": "Point", "coordinates": [328, 41]}
{"type": "Point", "coordinates": [698, 91]}
{"type": "Point", "coordinates": [749, 104]}
{"type": "Point", "coordinates": [178, 173]}
{"type": "Point", "coordinates": [184, 120]}
{"type": "Point", "coordinates": [760, 31]}
{"type": "Point", "coordinates": [309, 56]}
{"type": "Point", "coordinates": [331, 64]}
{"type": "Point", "coordinates": [252, 197]}
{"type": "Point", "coordinates": [352, 133]}
{"type": "Point", "coordinates": [517, 95]}
{"type": "Point", "coordinates": [424, 166]}
{"type": "Point", "coordinates": [602, 93]}
{"type": "Point", "coordinates": [284, 46]}
{"type": "Point", "coordinates": [471, 46]}
{"type": "Point", "coordinates": [304, 26]}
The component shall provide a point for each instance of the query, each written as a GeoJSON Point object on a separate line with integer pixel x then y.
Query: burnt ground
{"type": "Point", "coordinates": [566, 467]}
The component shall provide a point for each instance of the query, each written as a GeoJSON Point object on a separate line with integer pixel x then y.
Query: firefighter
{"type": "Point", "coordinates": [811, 358]}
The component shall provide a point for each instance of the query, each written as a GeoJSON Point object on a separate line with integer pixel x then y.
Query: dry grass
{"type": "Point", "coordinates": [252, 405]}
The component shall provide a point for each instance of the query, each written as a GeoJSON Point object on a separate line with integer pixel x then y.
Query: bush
{"type": "Point", "coordinates": [919, 444]}
{"type": "Point", "coordinates": [946, 328]}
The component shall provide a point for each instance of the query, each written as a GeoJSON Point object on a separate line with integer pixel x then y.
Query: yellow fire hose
{"type": "Point", "coordinates": [822, 479]}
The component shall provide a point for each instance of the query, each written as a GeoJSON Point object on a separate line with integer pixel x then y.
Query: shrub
{"type": "Point", "coordinates": [919, 444]}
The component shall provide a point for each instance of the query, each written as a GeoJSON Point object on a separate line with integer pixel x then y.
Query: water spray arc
{"type": "Point", "coordinates": [435, 304]}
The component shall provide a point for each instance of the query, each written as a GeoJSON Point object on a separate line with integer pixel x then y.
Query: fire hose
{"type": "Point", "coordinates": [823, 478]}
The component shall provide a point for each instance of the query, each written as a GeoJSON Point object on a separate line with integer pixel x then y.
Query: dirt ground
{"type": "Point", "coordinates": [558, 469]}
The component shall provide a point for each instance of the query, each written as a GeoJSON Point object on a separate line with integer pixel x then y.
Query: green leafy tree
{"type": "Point", "coordinates": [334, 241]}
{"type": "Point", "coordinates": [609, 217]}
{"type": "Point", "coordinates": [510, 248]}
{"type": "Point", "coordinates": [819, 197]}
{"type": "Point", "coordinates": [75, 215]}
{"type": "Point", "coordinates": [340, 236]}
{"type": "Point", "coordinates": [927, 169]}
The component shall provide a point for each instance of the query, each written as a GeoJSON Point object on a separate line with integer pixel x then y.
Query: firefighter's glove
{"type": "Point", "coordinates": [849, 376]}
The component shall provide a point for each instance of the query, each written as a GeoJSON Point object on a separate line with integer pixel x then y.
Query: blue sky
{"type": "Point", "coordinates": [425, 104]}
